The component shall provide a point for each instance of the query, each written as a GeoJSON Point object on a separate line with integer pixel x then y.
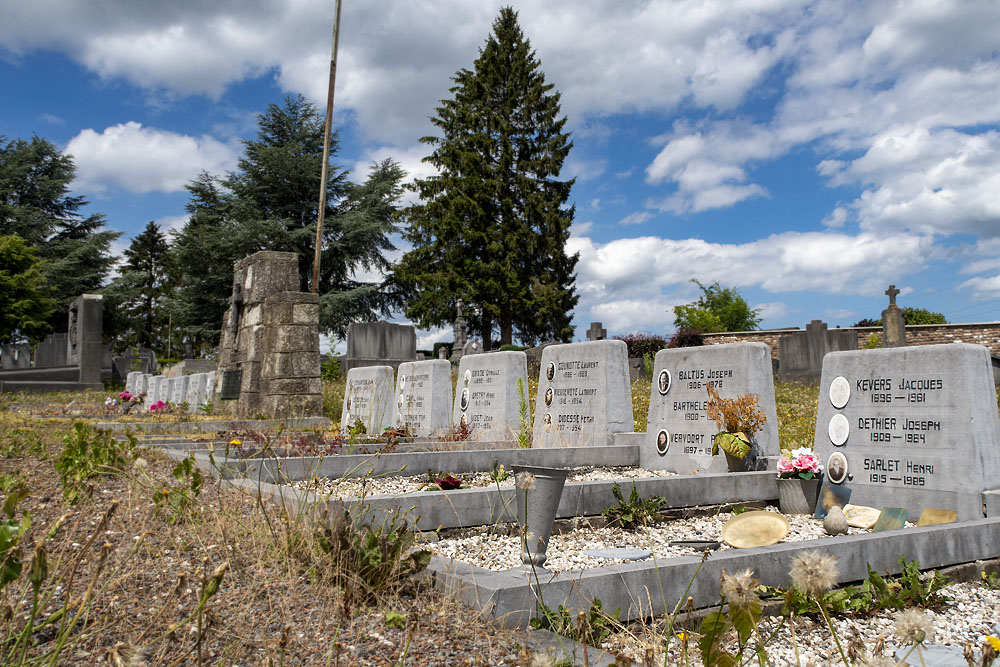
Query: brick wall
{"type": "Point", "coordinates": [981, 333]}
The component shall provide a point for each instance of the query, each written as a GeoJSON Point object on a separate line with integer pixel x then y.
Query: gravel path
{"type": "Point", "coordinates": [566, 551]}
{"type": "Point", "coordinates": [968, 618]}
{"type": "Point", "coordinates": [353, 487]}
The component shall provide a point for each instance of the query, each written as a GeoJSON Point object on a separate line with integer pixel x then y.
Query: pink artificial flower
{"type": "Point", "coordinates": [785, 466]}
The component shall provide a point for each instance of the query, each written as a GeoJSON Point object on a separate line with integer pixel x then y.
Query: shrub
{"type": "Point", "coordinates": [640, 344]}
{"type": "Point", "coordinates": [634, 512]}
{"type": "Point", "coordinates": [686, 337]}
{"type": "Point", "coordinates": [89, 453]}
{"type": "Point", "coordinates": [868, 322]}
{"type": "Point", "coordinates": [510, 348]}
{"type": "Point", "coordinates": [329, 370]}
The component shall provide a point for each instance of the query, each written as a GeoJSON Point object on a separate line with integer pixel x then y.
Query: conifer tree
{"type": "Point", "coordinates": [26, 301]}
{"type": "Point", "coordinates": [141, 292]}
{"type": "Point", "coordinates": [492, 225]}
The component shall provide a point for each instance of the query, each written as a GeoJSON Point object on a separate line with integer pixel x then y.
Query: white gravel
{"type": "Point", "coordinates": [566, 551]}
{"type": "Point", "coordinates": [971, 614]}
{"type": "Point", "coordinates": [354, 487]}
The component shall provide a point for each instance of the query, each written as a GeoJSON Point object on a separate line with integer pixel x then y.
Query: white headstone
{"type": "Point", "coordinates": [918, 428]}
{"type": "Point", "coordinates": [178, 391]}
{"type": "Point", "coordinates": [131, 381]}
{"type": "Point", "coordinates": [423, 396]}
{"type": "Point", "coordinates": [678, 431]}
{"type": "Point", "coordinates": [159, 386]}
{"type": "Point", "coordinates": [210, 388]}
{"type": "Point", "coordinates": [142, 384]}
{"type": "Point", "coordinates": [197, 392]}
{"type": "Point", "coordinates": [368, 397]}
{"type": "Point", "coordinates": [487, 395]}
{"type": "Point", "coordinates": [584, 394]}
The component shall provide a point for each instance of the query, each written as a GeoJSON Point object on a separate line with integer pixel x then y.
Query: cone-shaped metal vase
{"type": "Point", "coordinates": [538, 494]}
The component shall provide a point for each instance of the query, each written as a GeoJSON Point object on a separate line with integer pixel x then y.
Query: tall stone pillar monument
{"type": "Point", "coordinates": [893, 324]}
{"type": "Point", "coordinates": [269, 352]}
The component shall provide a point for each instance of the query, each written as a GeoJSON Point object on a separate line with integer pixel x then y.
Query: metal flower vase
{"type": "Point", "coordinates": [538, 494]}
{"type": "Point", "coordinates": [798, 496]}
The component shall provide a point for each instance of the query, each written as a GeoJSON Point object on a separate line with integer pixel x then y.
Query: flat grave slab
{"type": "Point", "coordinates": [911, 427]}
{"type": "Point", "coordinates": [584, 394]}
{"type": "Point", "coordinates": [679, 432]}
{"type": "Point", "coordinates": [368, 397]}
{"type": "Point", "coordinates": [487, 396]}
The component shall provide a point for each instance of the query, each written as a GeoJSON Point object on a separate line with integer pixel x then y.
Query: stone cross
{"type": "Point", "coordinates": [891, 293]}
{"type": "Point", "coordinates": [596, 332]}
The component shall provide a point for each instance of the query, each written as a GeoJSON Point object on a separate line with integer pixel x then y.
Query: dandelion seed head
{"type": "Point", "coordinates": [740, 590]}
{"type": "Point", "coordinates": [526, 481]}
{"type": "Point", "coordinates": [814, 572]}
{"type": "Point", "coordinates": [914, 626]}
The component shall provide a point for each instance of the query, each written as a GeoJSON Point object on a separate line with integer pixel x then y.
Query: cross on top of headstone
{"type": "Point", "coordinates": [891, 293]}
{"type": "Point", "coordinates": [596, 332]}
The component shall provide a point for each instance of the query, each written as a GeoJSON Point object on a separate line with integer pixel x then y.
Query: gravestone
{"type": "Point", "coordinates": [15, 355]}
{"type": "Point", "coordinates": [167, 393]}
{"type": "Point", "coordinates": [487, 397]}
{"type": "Point", "coordinates": [912, 427]}
{"type": "Point", "coordinates": [270, 341]}
{"type": "Point", "coordinates": [83, 343]}
{"type": "Point", "coordinates": [801, 353]}
{"type": "Point", "coordinates": [51, 352]}
{"type": "Point", "coordinates": [460, 331]}
{"type": "Point", "coordinates": [158, 386]}
{"type": "Point", "coordinates": [423, 397]}
{"type": "Point", "coordinates": [583, 395]}
{"type": "Point", "coordinates": [132, 381]}
{"type": "Point", "coordinates": [141, 384]}
{"type": "Point", "coordinates": [178, 393]}
{"type": "Point", "coordinates": [893, 324]}
{"type": "Point", "coordinates": [379, 344]}
{"type": "Point", "coordinates": [368, 397]}
{"type": "Point", "coordinates": [197, 391]}
{"type": "Point", "coordinates": [596, 332]}
{"type": "Point", "coordinates": [679, 432]}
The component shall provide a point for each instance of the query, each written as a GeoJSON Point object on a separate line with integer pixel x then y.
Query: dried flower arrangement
{"type": "Point", "coordinates": [737, 418]}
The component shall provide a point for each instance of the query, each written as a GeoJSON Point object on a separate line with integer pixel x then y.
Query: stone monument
{"type": "Point", "coordinates": [893, 324]}
{"type": "Point", "coordinates": [269, 352]}
{"type": "Point", "coordinates": [83, 344]}
{"type": "Point", "coordinates": [15, 355]}
{"type": "Point", "coordinates": [487, 398]}
{"type": "Point", "coordinates": [679, 432]}
{"type": "Point", "coordinates": [423, 397]}
{"type": "Point", "coordinates": [911, 427]}
{"type": "Point", "coordinates": [460, 329]}
{"type": "Point", "coordinates": [802, 353]}
{"type": "Point", "coordinates": [379, 344]}
{"type": "Point", "coordinates": [596, 332]}
{"type": "Point", "coordinates": [584, 394]}
{"type": "Point", "coordinates": [367, 397]}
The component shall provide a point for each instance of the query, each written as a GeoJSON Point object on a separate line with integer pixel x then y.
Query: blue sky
{"type": "Point", "coordinates": [809, 153]}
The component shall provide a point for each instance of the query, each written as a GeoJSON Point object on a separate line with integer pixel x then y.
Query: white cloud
{"type": "Point", "coordinates": [52, 119]}
{"type": "Point", "coordinates": [841, 313]}
{"type": "Point", "coordinates": [983, 288]}
{"type": "Point", "coordinates": [142, 160]}
{"type": "Point", "coordinates": [172, 223]}
{"type": "Point", "coordinates": [636, 218]}
{"type": "Point", "coordinates": [426, 339]}
{"type": "Point", "coordinates": [773, 310]}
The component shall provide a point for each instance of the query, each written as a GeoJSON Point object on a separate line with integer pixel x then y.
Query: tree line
{"type": "Point", "coordinates": [490, 227]}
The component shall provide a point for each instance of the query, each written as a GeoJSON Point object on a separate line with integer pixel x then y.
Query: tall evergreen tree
{"type": "Point", "coordinates": [26, 301]}
{"type": "Point", "coordinates": [270, 203]}
{"type": "Point", "coordinates": [492, 225]}
{"type": "Point", "coordinates": [141, 292]}
{"type": "Point", "coordinates": [36, 205]}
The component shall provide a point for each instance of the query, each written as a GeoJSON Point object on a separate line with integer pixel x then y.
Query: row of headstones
{"type": "Point", "coordinates": [913, 427]}
{"type": "Point", "coordinates": [196, 390]}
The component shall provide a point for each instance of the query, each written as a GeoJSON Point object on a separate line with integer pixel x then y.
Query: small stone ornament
{"type": "Point", "coordinates": [835, 522]}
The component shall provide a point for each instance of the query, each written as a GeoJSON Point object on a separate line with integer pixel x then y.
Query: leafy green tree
{"type": "Point", "coordinates": [717, 309]}
{"type": "Point", "coordinates": [141, 292]}
{"type": "Point", "coordinates": [26, 301]}
{"type": "Point", "coordinates": [922, 316]}
{"type": "Point", "coordinates": [270, 203]}
{"type": "Point", "coordinates": [36, 205]}
{"type": "Point", "coordinates": [492, 225]}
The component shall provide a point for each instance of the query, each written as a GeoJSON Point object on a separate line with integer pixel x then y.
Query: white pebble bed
{"type": "Point", "coordinates": [972, 613]}
{"type": "Point", "coordinates": [566, 552]}
{"type": "Point", "coordinates": [355, 487]}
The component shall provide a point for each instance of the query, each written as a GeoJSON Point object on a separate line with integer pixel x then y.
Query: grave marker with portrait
{"type": "Point", "coordinates": [679, 432]}
{"type": "Point", "coordinates": [487, 397]}
{"type": "Point", "coordinates": [911, 427]}
{"type": "Point", "coordinates": [584, 395]}
{"type": "Point", "coordinates": [367, 397]}
{"type": "Point", "coordinates": [423, 397]}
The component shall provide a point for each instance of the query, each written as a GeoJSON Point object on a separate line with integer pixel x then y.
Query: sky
{"type": "Point", "coordinates": [807, 153]}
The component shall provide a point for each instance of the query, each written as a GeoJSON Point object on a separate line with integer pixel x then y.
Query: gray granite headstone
{"type": "Point", "coordinates": [51, 352]}
{"type": "Point", "coordinates": [678, 431]}
{"type": "Point", "coordinates": [142, 384]}
{"type": "Point", "coordinates": [157, 385]}
{"type": "Point", "coordinates": [131, 380]}
{"type": "Point", "coordinates": [15, 356]}
{"type": "Point", "coordinates": [918, 428]}
{"type": "Point", "coordinates": [368, 397]}
{"type": "Point", "coordinates": [423, 397]}
{"type": "Point", "coordinates": [178, 393]}
{"type": "Point", "coordinates": [197, 392]}
{"type": "Point", "coordinates": [584, 394]}
{"type": "Point", "coordinates": [487, 394]}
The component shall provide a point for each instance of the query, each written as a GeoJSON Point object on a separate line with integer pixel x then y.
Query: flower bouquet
{"type": "Point", "coordinates": [800, 463]}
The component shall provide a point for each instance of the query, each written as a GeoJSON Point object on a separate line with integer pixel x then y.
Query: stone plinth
{"type": "Point", "coordinates": [679, 432]}
{"type": "Point", "coordinates": [912, 427]}
{"type": "Point", "coordinates": [487, 396]}
{"type": "Point", "coordinates": [368, 397]}
{"type": "Point", "coordinates": [83, 343]}
{"type": "Point", "coordinates": [584, 394]}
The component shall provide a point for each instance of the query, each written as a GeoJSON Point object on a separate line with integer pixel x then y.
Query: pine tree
{"type": "Point", "coordinates": [26, 301]}
{"type": "Point", "coordinates": [141, 292]}
{"type": "Point", "coordinates": [36, 205]}
{"type": "Point", "coordinates": [492, 226]}
{"type": "Point", "coordinates": [270, 202]}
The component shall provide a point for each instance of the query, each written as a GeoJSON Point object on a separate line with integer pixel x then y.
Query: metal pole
{"type": "Point", "coordinates": [326, 149]}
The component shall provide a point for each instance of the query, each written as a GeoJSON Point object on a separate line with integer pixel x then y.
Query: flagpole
{"type": "Point", "coordinates": [326, 149]}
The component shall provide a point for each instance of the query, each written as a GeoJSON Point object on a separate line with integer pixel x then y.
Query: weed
{"type": "Point", "coordinates": [524, 416]}
{"type": "Point", "coordinates": [498, 474]}
{"type": "Point", "coordinates": [634, 512]}
{"type": "Point", "coordinates": [395, 620]}
{"type": "Point", "coordinates": [12, 530]}
{"type": "Point", "coordinates": [88, 453]}
{"type": "Point", "coordinates": [991, 580]}
{"type": "Point", "coordinates": [180, 499]}
{"type": "Point", "coordinates": [458, 433]}
{"type": "Point", "coordinates": [591, 628]}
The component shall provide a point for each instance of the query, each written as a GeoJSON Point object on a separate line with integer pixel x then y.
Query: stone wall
{"type": "Point", "coordinates": [981, 333]}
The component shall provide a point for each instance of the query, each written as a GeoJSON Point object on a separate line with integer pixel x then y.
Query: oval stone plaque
{"type": "Point", "coordinates": [662, 442]}
{"type": "Point", "coordinates": [840, 391]}
{"type": "Point", "coordinates": [839, 429]}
